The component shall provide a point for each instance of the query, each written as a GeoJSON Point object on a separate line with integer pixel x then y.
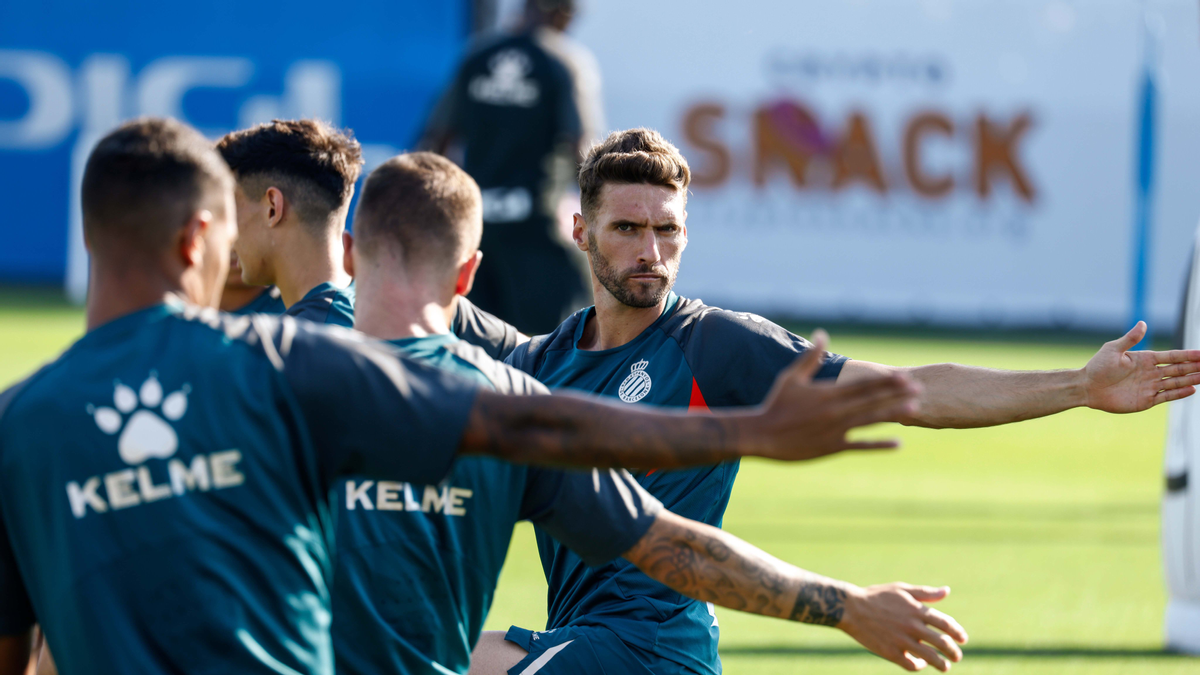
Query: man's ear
{"type": "Point", "coordinates": [191, 243]}
{"type": "Point", "coordinates": [277, 206]}
{"type": "Point", "coordinates": [466, 274]}
{"type": "Point", "coordinates": [579, 232]}
{"type": "Point", "coordinates": [347, 256]}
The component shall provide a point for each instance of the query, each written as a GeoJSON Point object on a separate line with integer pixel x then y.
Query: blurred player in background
{"type": "Point", "coordinates": [295, 179]}
{"type": "Point", "coordinates": [523, 106]}
{"type": "Point", "coordinates": [1181, 503]}
{"type": "Point", "coordinates": [240, 297]}
{"type": "Point", "coordinates": [189, 520]}
{"type": "Point", "coordinates": [417, 228]}
{"type": "Point", "coordinates": [643, 343]}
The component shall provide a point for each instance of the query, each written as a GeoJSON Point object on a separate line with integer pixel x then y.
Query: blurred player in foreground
{"type": "Point", "coordinates": [162, 504]}
{"type": "Point", "coordinates": [417, 230]}
{"type": "Point", "coordinates": [295, 179]}
{"type": "Point", "coordinates": [523, 106]}
{"type": "Point", "coordinates": [643, 343]}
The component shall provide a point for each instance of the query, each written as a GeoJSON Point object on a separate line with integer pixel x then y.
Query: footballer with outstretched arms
{"type": "Point", "coordinates": [295, 180]}
{"type": "Point", "coordinates": [417, 566]}
{"type": "Point", "coordinates": [163, 497]}
{"type": "Point", "coordinates": [643, 343]}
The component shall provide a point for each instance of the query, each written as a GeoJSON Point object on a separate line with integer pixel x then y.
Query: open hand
{"type": "Point", "coordinates": [1120, 381]}
{"type": "Point", "coordinates": [802, 419]}
{"type": "Point", "coordinates": [893, 622]}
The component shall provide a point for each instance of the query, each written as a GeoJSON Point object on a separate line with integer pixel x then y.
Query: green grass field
{"type": "Point", "coordinates": [1047, 530]}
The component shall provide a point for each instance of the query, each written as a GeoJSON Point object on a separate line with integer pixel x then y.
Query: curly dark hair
{"type": "Point", "coordinates": [314, 164]}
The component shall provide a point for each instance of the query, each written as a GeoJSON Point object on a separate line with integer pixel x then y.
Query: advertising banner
{"type": "Point", "coordinates": [72, 70]}
{"type": "Point", "coordinates": [994, 163]}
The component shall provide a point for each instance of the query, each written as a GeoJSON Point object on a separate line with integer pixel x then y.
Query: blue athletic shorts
{"type": "Point", "coordinates": [580, 650]}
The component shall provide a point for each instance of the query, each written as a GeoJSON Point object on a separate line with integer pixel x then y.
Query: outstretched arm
{"type": "Point", "coordinates": [799, 420]}
{"type": "Point", "coordinates": [1115, 380]}
{"type": "Point", "coordinates": [704, 563]}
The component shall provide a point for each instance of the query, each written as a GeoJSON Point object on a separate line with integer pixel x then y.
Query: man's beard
{"type": "Point", "coordinates": [635, 294]}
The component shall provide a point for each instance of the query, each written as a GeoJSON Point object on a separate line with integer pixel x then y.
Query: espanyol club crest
{"type": "Point", "coordinates": [637, 385]}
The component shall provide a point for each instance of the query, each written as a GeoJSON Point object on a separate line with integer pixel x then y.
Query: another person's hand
{"type": "Point", "coordinates": [1117, 380]}
{"type": "Point", "coordinates": [893, 622]}
{"type": "Point", "coordinates": [802, 419]}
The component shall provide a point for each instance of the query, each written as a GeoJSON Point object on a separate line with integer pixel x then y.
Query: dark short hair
{"type": "Point", "coordinates": [424, 207]}
{"type": "Point", "coordinates": [146, 179]}
{"type": "Point", "coordinates": [631, 156]}
{"type": "Point", "coordinates": [314, 164]}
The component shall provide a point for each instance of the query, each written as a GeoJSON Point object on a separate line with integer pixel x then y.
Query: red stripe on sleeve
{"type": "Point", "coordinates": [697, 404]}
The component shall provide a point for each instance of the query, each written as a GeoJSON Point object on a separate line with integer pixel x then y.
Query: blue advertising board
{"type": "Point", "coordinates": [71, 70]}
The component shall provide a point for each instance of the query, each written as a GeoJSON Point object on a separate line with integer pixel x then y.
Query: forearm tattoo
{"type": "Point", "coordinates": [569, 430]}
{"type": "Point", "coordinates": [707, 564]}
{"type": "Point", "coordinates": [822, 604]}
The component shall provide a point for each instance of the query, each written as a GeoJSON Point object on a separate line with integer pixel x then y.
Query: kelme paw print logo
{"type": "Point", "coordinates": [146, 434]}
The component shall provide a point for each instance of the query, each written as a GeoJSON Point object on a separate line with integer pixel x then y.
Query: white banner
{"type": "Point", "coordinates": [930, 161]}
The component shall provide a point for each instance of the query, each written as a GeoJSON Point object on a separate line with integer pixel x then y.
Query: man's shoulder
{"type": "Point", "coordinates": [529, 356]}
{"type": "Point", "coordinates": [333, 306]}
{"type": "Point", "coordinates": [505, 378]}
{"type": "Point", "coordinates": [694, 320]}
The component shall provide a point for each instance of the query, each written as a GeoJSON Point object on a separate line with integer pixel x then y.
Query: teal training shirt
{"type": "Point", "coordinates": [326, 304]}
{"type": "Point", "coordinates": [267, 302]}
{"type": "Point", "coordinates": [417, 564]}
{"type": "Point", "coordinates": [693, 356]}
{"type": "Point", "coordinates": [164, 486]}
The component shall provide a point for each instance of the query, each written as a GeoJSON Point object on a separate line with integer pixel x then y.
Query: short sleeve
{"type": "Point", "coordinates": [486, 331]}
{"type": "Point", "coordinates": [371, 411]}
{"type": "Point", "coordinates": [598, 514]}
{"type": "Point", "coordinates": [736, 356]}
{"type": "Point", "coordinates": [16, 611]}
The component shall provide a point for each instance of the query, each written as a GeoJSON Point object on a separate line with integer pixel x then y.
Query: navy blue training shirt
{"type": "Point", "coordinates": [695, 357]}
{"type": "Point", "coordinates": [417, 565]}
{"type": "Point", "coordinates": [164, 486]}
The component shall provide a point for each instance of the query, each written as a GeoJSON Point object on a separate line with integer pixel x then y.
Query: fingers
{"type": "Point", "coordinates": [1129, 340]}
{"type": "Point", "coordinates": [810, 362]}
{"type": "Point", "coordinates": [1173, 394]}
{"type": "Point", "coordinates": [1178, 369]}
{"type": "Point", "coordinates": [1177, 356]}
{"type": "Point", "coordinates": [1177, 382]}
{"type": "Point", "coordinates": [942, 643]}
{"type": "Point", "coordinates": [880, 412]}
{"type": "Point", "coordinates": [946, 624]}
{"type": "Point", "coordinates": [886, 444]}
{"type": "Point", "coordinates": [928, 593]}
{"type": "Point", "coordinates": [929, 655]}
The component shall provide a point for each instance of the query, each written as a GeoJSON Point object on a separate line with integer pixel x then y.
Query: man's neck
{"type": "Point", "coordinates": [394, 308]}
{"type": "Point", "coordinates": [614, 323]}
{"type": "Point", "coordinates": [115, 293]}
{"type": "Point", "coordinates": [237, 297]}
{"type": "Point", "coordinates": [306, 262]}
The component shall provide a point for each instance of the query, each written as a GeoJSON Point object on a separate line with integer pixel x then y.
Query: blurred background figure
{"type": "Point", "coordinates": [522, 107]}
{"type": "Point", "coordinates": [1181, 506]}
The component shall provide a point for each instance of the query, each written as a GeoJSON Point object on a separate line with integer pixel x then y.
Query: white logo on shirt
{"type": "Point", "coordinates": [637, 384]}
{"type": "Point", "coordinates": [507, 83]}
{"type": "Point", "coordinates": [146, 434]}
